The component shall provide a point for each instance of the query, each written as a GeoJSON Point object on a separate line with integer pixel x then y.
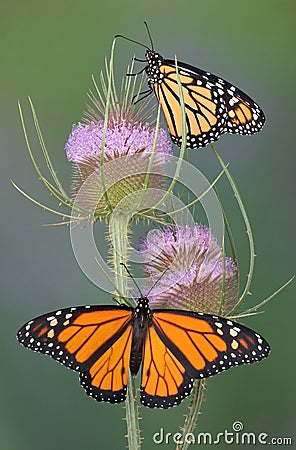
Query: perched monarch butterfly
{"type": "Point", "coordinates": [174, 347]}
{"type": "Point", "coordinates": [213, 106]}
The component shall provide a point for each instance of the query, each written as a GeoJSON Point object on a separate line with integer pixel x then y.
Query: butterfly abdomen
{"type": "Point", "coordinates": [141, 322]}
{"type": "Point", "coordinates": [139, 335]}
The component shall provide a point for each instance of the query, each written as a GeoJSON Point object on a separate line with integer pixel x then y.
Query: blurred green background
{"type": "Point", "coordinates": [49, 51]}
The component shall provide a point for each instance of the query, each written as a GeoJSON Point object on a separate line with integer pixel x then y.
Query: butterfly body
{"type": "Point", "coordinates": [142, 315]}
{"type": "Point", "coordinates": [213, 106]}
{"type": "Point", "coordinates": [174, 347]}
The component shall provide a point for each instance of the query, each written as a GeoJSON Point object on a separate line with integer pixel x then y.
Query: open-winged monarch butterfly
{"type": "Point", "coordinates": [173, 346]}
{"type": "Point", "coordinates": [213, 106]}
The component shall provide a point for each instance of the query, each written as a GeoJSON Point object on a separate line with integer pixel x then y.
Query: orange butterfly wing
{"type": "Point", "coordinates": [95, 341]}
{"type": "Point", "coordinates": [165, 382]}
{"type": "Point", "coordinates": [206, 344]}
{"type": "Point", "coordinates": [203, 110]}
{"type": "Point", "coordinates": [213, 106]}
{"type": "Point", "coordinates": [106, 379]}
{"type": "Point", "coordinates": [183, 345]}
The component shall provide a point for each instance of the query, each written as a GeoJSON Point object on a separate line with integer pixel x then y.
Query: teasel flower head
{"type": "Point", "coordinates": [117, 159]}
{"type": "Point", "coordinates": [195, 275]}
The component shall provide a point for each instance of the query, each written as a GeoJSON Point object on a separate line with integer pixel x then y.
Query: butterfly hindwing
{"type": "Point", "coordinates": [165, 382]}
{"type": "Point", "coordinates": [206, 344]}
{"type": "Point", "coordinates": [106, 379]}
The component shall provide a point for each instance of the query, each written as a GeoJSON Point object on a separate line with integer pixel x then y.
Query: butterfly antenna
{"type": "Point", "coordinates": [131, 40]}
{"type": "Point", "coordinates": [158, 279]}
{"type": "Point", "coordinates": [122, 264]}
{"type": "Point", "coordinates": [149, 35]}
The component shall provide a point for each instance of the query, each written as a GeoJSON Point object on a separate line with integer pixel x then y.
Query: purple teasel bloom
{"type": "Point", "coordinates": [128, 147]}
{"type": "Point", "coordinates": [195, 274]}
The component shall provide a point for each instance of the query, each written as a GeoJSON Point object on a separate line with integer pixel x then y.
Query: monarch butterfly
{"type": "Point", "coordinates": [213, 106]}
{"type": "Point", "coordinates": [174, 347]}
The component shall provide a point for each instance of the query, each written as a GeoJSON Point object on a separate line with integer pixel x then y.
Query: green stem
{"type": "Point", "coordinates": [132, 415]}
{"type": "Point", "coordinates": [119, 230]}
{"type": "Point", "coordinates": [194, 411]}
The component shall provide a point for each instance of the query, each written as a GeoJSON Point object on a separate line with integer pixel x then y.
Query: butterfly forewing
{"type": "Point", "coordinates": [90, 340]}
{"type": "Point", "coordinates": [213, 106]}
{"type": "Point", "coordinates": [204, 108]}
{"type": "Point", "coordinates": [206, 344]}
